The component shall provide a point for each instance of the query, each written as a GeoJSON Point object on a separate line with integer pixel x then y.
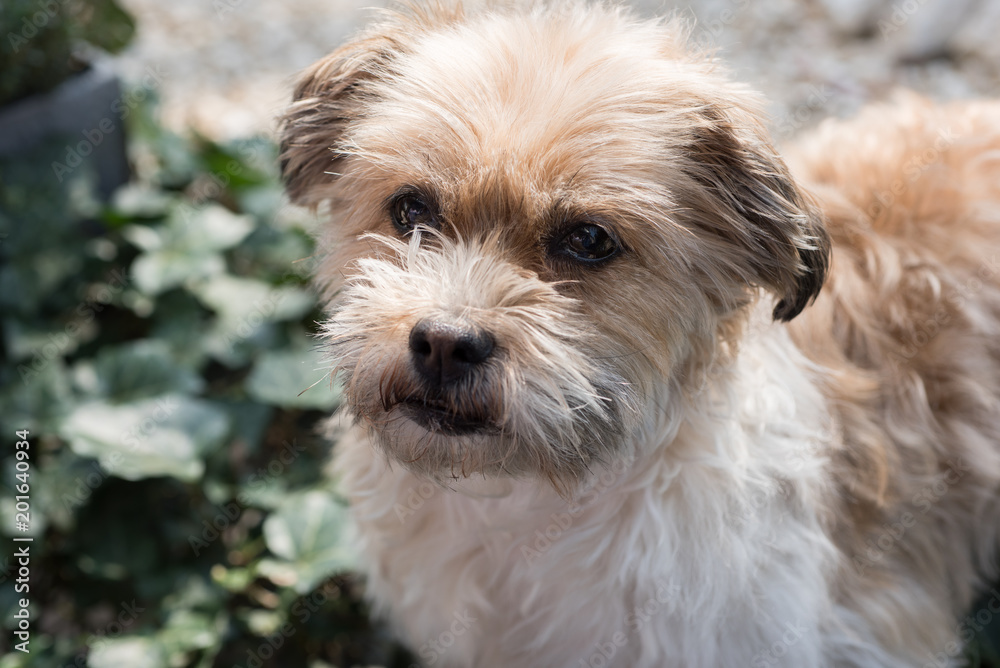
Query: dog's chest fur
{"type": "Point", "coordinates": [700, 551]}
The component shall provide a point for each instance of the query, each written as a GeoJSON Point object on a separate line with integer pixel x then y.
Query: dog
{"type": "Point", "coordinates": [623, 387]}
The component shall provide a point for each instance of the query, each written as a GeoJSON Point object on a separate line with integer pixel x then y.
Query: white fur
{"type": "Point", "coordinates": [716, 515]}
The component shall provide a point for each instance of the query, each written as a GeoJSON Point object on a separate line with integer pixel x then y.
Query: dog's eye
{"type": "Point", "coordinates": [588, 243]}
{"type": "Point", "coordinates": [408, 211]}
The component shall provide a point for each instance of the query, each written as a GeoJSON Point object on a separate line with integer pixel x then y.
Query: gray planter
{"type": "Point", "coordinates": [85, 113]}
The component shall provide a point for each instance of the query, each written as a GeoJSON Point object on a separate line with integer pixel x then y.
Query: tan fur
{"type": "Point", "coordinates": [858, 451]}
{"type": "Point", "coordinates": [908, 326]}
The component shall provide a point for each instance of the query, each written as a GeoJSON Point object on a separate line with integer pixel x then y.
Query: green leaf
{"type": "Point", "coordinates": [187, 630]}
{"type": "Point", "coordinates": [108, 26]}
{"type": "Point", "coordinates": [134, 652]}
{"type": "Point", "coordinates": [234, 345]}
{"type": "Point", "coordinates": [165, 436]}
{"type": "Point", "coordinates": [246, 300]}
{"type": "Point", "coordinates": [308, 532]}
{"type": "Point", "coordinates": [38, 396]}
{"type": "Point", "coordinates": [284, 254]}
{"type": "Point", "coordinates": [64, 484]}
{"type": "Point", "coordinates": [293, 379]}
{"type": "Point", "coordinates": [29, 280]}
{"type": "Point", "coordinates": [262, 202]}
{"type": "Point", "coordinates": [46, 340]}
{"type": "Point", "coordinates": [187, 248]}
{"type": "Point", "coordinates": [136, 370]}
{"type": "Point", "coordinates": [144, 237]}
{"type": "Point", "coordinates": [138, 200]}
{"type": "Point", "coordinates": [211, 227]}
{"type": "Point", "coordinates": [181, 322]}
{"type": "Point", "coordinates": [250, 421]}
{"type": "Point", "coordinates": [159, 271]}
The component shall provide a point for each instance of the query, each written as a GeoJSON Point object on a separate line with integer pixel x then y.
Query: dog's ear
{"type": "Point", "coordinates": [333, 93]}
{"type": "Point", "coordinates": [748, 198]}
{"type": "Point", "coordinates": [327, 98]}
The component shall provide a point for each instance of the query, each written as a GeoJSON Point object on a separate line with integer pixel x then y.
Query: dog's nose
{"type": "Point", "coordinates": [444, 352]}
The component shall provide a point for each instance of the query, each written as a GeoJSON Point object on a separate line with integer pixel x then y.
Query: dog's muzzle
{"type": "Point", "coordinates": [444, 353]}
{"type": "Point", "coordinates": [448, 357]}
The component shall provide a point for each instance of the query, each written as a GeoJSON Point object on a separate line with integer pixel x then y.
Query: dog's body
{"type": "Point", "coordinates": [578, 438]}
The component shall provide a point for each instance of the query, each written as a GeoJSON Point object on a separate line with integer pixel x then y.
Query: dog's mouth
{"type": "Point", "coordinates": [441, 417]}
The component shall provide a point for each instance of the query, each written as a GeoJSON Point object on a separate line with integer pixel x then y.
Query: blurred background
{"type": "Point", "coordinates": [156, 319]}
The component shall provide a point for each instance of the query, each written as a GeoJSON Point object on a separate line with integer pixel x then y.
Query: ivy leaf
{"type": "Point", "coordinates": [160, 270]}
{"type": "Point", "coordinates": [308, 532]}
{"type": "Point", "coordinates": [40, 396]}
{"type": "Point", "coordinates": [188, 246]}
{"type": "Point", "coordinates": [187, 630]}
{"type": "Point", "coordinates": [163, 436]}
{"type": "Point", "coordinates": [293, 379]}
{"type": "Point", "coordinates": [137, 201]}
{"type": "Point", "coordinates": [246, 300]}
{"type": "Point", "coordinates": [137, 370]}
{"type": "Point", "coordinates": [131, 651]}
{"type": "Point", "coordinates": [212, 228]}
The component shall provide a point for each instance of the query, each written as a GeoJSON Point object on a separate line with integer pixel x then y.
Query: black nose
{"type": "Point", "coordinates": [444, 352]}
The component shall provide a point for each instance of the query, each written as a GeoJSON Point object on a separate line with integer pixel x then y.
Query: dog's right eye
{"type": "Point", "coordinates": [588, 243]}
{"type": "Point", "coordinates": [409, 210]}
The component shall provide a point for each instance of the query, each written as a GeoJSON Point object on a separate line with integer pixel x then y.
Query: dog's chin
{"type": "Point", "coordinates": [439, 418]}
{"type": "Point", "coordinates": [434, 441]}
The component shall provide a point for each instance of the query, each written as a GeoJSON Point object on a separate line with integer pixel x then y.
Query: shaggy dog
{"type": "Point", "coordinates": [621, 387]}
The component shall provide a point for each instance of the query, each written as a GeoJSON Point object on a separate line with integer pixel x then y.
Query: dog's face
{"type": "Point", "coordinates": [538, 221]}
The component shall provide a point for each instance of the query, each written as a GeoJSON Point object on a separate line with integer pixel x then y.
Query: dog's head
{"type": "Point", "coordinates": [538, 218]}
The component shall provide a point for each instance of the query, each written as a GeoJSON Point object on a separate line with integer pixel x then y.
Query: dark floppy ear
{"type": "Point", "coordinates": [327, 98]}
{"type": "Point", "coordinates": [748, 198]}
{"type": "Point", "coordinates": [333, 93]}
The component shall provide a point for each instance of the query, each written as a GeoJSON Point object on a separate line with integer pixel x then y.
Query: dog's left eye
{"type": "Point", "coordinates": [589, 243]}
{"type": "Point", "coordinates": [409, 210]}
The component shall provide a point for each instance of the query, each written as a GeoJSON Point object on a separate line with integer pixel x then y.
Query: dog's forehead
{"type": "Point", "coordinates": [537, 101]}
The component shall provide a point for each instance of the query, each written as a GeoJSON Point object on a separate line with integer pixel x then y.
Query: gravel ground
{"type": "Point", "coordinates": [227, 66]}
